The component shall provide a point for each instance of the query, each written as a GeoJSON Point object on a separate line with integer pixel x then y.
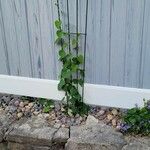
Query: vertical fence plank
{"type": "Point", "coordinates": [145, 71]}
{"type": "Point", "coordinates": [46, 29]}
{"type": "Point", "coordinates": [97, 64]}
{"type": "Point", "coordinates": [20, 23]}
{"type": "Point", "coordinates": [4, 65]}
{"type": "Point", "coordinates": [10, 34]}
{"type": "Point", "coordinates": [134, 25]}
{"type": "Point", "coordinates": [34, 26]}
{"type": "Point", "coordinates": [117, 44]}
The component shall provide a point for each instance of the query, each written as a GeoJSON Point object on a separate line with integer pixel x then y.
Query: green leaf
{"type": "Point", "coordinates": [62, 53]}
{"type": "Point", "coordinates": [66, 73]}
{"type": "Point", "coordinates": [74, 43]}
{"type": "Point", "coordinates": [59, 34]}
{"type": "Point", "coordinates": [61, 84]}
{"type": "Point", "coordinates": [74, 67]}
{"type": "Point", "coordinates": [75, 60]}
{"type": "Point", "coordinates": [49, 102]}
{"type": "Point", "coordinates": [58, 24]}
{"type": "Point", "coordinates": [80, 59]}
{"type": "Point", "coordinates": [80, 81]}
{"type": "Point", "coordinates": [75, 81]}
{"type": "Point", "coordinates": [70, 112]}
{"type": "Point", "coordinates": [65, 45]}
{"type": "Point", "coordinates": [73, 91]}
{"type": "Point", "coordinates": [81, 72]}
{"type": "Point", "coordinates": [46, 109]}
{"type": "Point", "coordinates": [42, 101]}
{"type": "Point", "coordinates": [59, 41]}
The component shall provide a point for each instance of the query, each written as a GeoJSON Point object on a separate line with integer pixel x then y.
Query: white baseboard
{"type": "Point", "coordinates": [104, 95]}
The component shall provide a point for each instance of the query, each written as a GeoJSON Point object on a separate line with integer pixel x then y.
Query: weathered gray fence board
{"type": "Point", "coordinates": [22, 37]}
{"type": "Point", "coordinates": [145, 72]}
{"type": "Point", "coordinates": [118, 39]}
{"type": "Point", "coordinates": [47, 39]}
{"type": "Point", "coordinates": [117, 42]}
{"type": "Point", "coordinates": [98, 42]}
{"type": "Point", "coordinates": [10, 34]}
{"type": "Point", "coordinates": [3, 57]}
{"type": "Point", "coordinates": [34, 26]}
{"type": "Point", "coordinates": [134, 26]}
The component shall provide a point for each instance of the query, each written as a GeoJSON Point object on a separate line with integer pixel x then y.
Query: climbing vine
{"type": "Point", "coordinates": [72, 73]}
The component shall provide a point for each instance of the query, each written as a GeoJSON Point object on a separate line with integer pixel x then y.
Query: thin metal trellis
{"type": "Point", "coordinates": [68, 17]}
{"type": "Point", "coordinates": [58, 6]}
{"type": "Point", "coordinates": [85, 43]}
{"type": "Point", "coordinates": [77, 32]}
{"type": "Point", "coordinates": [77, 37]}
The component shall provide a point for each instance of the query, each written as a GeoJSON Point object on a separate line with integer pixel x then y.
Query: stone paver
{"type": "Point", "coordinates": [95, 136]}
{"type": "Point", "coordinates": [36, 134]}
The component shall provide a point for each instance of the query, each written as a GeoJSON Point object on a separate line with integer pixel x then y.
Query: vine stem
{"type": "Point", "coordinates": [77, 44]}
{"type": "Point", "coordinates": [59, 18]}
{"type": "Point", "coordinates": [69, 43]}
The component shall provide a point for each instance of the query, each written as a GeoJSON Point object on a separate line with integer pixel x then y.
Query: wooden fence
{"type": "Point", "coordinates": [118, 40]}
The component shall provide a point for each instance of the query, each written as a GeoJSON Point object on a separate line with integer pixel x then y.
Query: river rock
{"type": "Point", "coordinates": [21, 104]}
{"type": "Point", "coordinates": [109, 117]}
{"type": "Point", "coordinates": [91, 120]}
{"type": "Point", "coordinates": [19, 115]}
{"type": "Point", "coordinates": [114, 112]}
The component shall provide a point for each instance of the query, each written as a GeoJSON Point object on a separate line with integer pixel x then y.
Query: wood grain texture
{"type": "Point", "coordinates": [145, 71]}
{"type": "Point", "coordinates": [22, 37]}
{"type": "Point", "coordinates": [118, 39]}
{"type": "Point", "coordinates": [117, 42]}
{"type": "Point", "coordinates": [134, 29]}
{"type": "Point", "coordinates": [34, 26]}
{"type": "Point", "coordinates": [4, 65]}
{"type": "Point", "coordinates": [11, 37]}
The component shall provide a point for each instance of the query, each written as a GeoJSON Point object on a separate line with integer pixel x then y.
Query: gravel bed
{"type": "Point", "coordinates": [17, 107]}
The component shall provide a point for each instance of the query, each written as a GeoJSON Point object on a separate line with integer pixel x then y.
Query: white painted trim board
{"type": "Point", "coordinates": [104, 95]}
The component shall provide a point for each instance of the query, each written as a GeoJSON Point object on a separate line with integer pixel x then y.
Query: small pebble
{"type": "Point", "coordinates": [109, 117]}
{"type": "Point", "coordinates": [30, 105]}
{"type": "Point", "coordinates": [62, 109]}
{"type": "Point", "coordinates": [114, 112]}
{"type": "Point", "coordinates": [77, 115]}
{"type": "Point", "coordinates": [32, 110]}
{"type": "Point", "coordinates": [101, 112]}
{"type": "Point", "coordinates": [21, 104]}
{"type": "Point", "coordinates": [27, 109]}
{"type": "Point", "coordinates": [63, 126]}
{"type": "Point", "coordinates": [19, 115]}
{"type": "Point", "coordinates": [19, 110]}
{"type": "Point", "coordinates": [35, 113]}
{"type": "Point", "coordinates": [16, 103]}
{"type": "Point", "coordinates": [26, 103]}
{"type": "Point", "coordinates": [23, 109]}
{"type": "Point", "coordinates": [114, 122]}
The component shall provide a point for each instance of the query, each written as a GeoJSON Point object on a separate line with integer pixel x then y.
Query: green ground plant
{"type": "Point", "coordinates": [137, 120]}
